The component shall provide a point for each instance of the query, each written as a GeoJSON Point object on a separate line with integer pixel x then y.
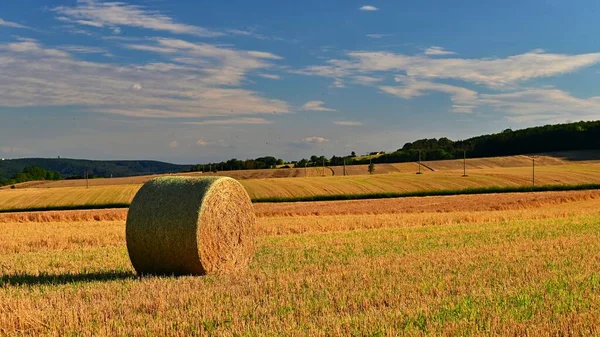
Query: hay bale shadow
{"type": "Point", "coordinates": [60, 279]}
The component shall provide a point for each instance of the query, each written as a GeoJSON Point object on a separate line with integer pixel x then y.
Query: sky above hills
{"type": "Point", "coordinates": [198, 81]}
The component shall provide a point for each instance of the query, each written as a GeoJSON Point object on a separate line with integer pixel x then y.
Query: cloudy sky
{"type": "Point", "coordinates": [197, 81]}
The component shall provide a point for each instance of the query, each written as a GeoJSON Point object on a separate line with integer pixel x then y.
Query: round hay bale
{"type": "Point", "coordinates": [190, 226]}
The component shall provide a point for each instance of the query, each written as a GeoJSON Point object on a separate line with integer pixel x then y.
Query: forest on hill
{"type": "Point", "coordinates": [542, 139]}
{"type": "Point", "coordinates": [78, 168]}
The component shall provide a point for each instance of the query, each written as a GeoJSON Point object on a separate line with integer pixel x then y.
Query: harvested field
{"type": "Point", "coordinates": [299, 187]}
{"type": "Point", "coordinates": [352, 170]}
{"type": "Point", "coordinates": [139, 180]}
{"type": "Point", "coordinates": [430, 181]}
{"type": "Point", "coordinates": [558, 158]}
{"type": "Point", "coordinates": [440, 204]}
{"type": "Point", "coordinates": [531, 268]}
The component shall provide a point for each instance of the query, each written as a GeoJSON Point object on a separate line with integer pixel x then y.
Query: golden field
{"type": "Point", "coordinates": [510, 264]}
{"type": "Point", "coordinates": [411, 167]}
{"type": "Point", "coordinates": [309, 186]}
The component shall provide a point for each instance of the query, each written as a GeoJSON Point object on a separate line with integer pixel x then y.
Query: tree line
{"type": "Point", "coordinates": [548, 138]}
{"type": "Point", "coordinates": [235, 164]}
{"type": "Point", "coordinates": [30, 173]}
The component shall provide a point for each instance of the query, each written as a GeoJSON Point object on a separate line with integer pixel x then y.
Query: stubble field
{"type": "Point", "coordinates": [314, 186]}
{"type": "Point", "coordinates": [511, 264]}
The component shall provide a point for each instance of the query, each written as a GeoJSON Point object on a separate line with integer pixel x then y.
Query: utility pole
{"type": "Point", "coordinates": [306, 175]}
{"type": "Point", "coordinates": [344, 166]}
{"type": "Point", "coordinates": [323, 166]}
{"type": "Point", "coordinates": [419, 162]}
{"type": "Point", "coordinates": [87, 182]}
{"type": "Point", "coordinates": [533, 171]}
{"type": "Point", "coordinates": [464, 163]}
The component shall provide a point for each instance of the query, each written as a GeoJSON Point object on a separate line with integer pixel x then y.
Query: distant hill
{"type": "Point", "coordinates": [72, 168]}
{"type": "Point", "coordinates": [535, 140]}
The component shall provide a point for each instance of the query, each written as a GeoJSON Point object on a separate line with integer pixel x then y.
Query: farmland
{"type": "Point", "coordinates": [512, 264]}
{"type": "Point", "coordinates": [105, 193]}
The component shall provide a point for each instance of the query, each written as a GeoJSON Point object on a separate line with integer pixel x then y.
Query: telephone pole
{"type": "Point", "coordinates": [533, 171]}
{"type": "Point", "coordinates": [464, 163]}
{"type": "Point", "coordinates": [419, 162]}
{"type": "Point", "coordinates": [323, 166]}
{"type": "Point", "coordinates": [344, 166]}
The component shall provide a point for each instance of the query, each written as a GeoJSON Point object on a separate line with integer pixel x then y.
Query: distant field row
{"type": "Point", "coordinates": [316, 186]}
{"type": "Point", "coordinates": [428, 166]}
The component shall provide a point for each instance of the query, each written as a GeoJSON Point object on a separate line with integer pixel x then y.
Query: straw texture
{"type": "Point", "coordinates": [190, 226]}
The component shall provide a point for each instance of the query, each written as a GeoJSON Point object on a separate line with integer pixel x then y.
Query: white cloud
{"type": "Point", "coordinates": [368, 8]}
{"type": "Point", "coordinates": [264, 55]}
{"type": "Point", "coordinates": [233, 121]}
{"type": "Point", "coordinates": [490, 72]}
{"type": "Point", "coordinates": [224, 65]}
{"type": "Point", "coordinates": [84, 49]}
{"type": "Point", "coordinates": [12, 24]}
{"type": "Point", "coordinates": [376, 36]}
{"type": "Point", "coordinates": [314, 140]}
{"type": "Point", "coordinates": [551, 105]}
{"type": "Point", "coordinates": [463, 100]}
{"type": "Point", "coordinates": [202, 142]}
{"type": "Point", "coordinates": [423, 72]}
{"type": "Point", "coordinates": [270, 76]}
{"type": "Point", "coordinates": [338, 83]}
{"type": "Point", "coordinates": [173, 144]}
{"type": "Point", "coordinates": [494, 73]}
{"type": "Point", "coordinates": [315, 106]}
{"type": "Point", "coordinates": [115, 14]}
{"type": "Point", "coordinates": [28, 73]}
{"type": "Point", "coordinates": [366, 80]}
{"type": "Point", "coordinates": [435, 50]}
{"type": "Point", "coordinates": [347, 123]}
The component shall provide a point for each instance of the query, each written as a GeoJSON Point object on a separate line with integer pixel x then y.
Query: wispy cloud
{"type": "Point", "coordinates": [366, 80]}
{"type": "Point", "coordinates": [368, 8]}
{"type": "Point", "coordinates": [347, 123]}
{"type": "Point", "coordinates": [115, 14]}
{"type": "Point", "coordinates": [378, 36]}
{"type": "Point", "coordinates": [315, 106]}
{"type": "Point", "coordinates": [435, 50]}
{"type": "Point", "coordinates": [84, 49]}
{"type": "Point", "coordinates": [491, 72]}
{"type": "Point", "coordinates": [173, 144]}
{"type": "Point", "coordinates": [463, 100]}
{"type": "Point", "coordinates": [158, 90]}
{"type": "Point", "coordinates": [12, 24]}
{"type": "Point", "coordinates": [270, 76]}
{"type": "Point", "coordinates": [314, 140]}
{"type": "Point", "coordinates": [233, 121]}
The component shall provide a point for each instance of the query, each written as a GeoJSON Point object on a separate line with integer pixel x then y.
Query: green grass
{"type": "Point", "coordinates": [333, 197]}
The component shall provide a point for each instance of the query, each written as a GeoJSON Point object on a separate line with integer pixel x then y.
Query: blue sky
{"type": "Point", "coordinates": [197, 81]}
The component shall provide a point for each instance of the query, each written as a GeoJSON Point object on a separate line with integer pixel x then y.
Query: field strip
{"type": "Point", "coordinates": [338, 197]}
{"type": "Point", "coordinates": [411, 205]}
